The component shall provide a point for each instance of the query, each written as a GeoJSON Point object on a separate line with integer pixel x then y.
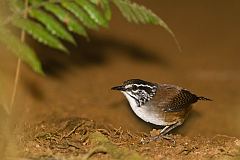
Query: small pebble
{"type": "Point", "coordinates": [237, 142]}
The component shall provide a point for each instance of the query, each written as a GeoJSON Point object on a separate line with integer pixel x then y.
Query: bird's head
{"type": "Point", "coordinates": [137, 91]}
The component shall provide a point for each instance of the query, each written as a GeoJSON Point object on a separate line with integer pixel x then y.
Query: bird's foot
{"type": "Point", "coordinates": [168, 137]}
{"type": "Point", "coordinates": [158, 138]}
{"type": "Point", "coordinates": [155, 135]}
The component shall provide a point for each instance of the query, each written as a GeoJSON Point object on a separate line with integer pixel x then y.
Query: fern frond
{"type": "Point", "coordinates": [105, 5]}
{"type": "Point", "coordinates": [95, 1]}
{"type": "Point", "coordinates": [136, 13]}
{"type": "Point", "coordinates": [80, 14]}
{"type": "Point", "coordinates": [48, 21]}
{"type": "Point", "coordinates": [107, 9]}
{"type": "Point", "coordinates": [21, 50]}
{"type": "Point", "coordinates": [63, 15]}
{"type": "Point", "coordinates": [36, 2]}
{"type": "Point", "coordinates": [51, 24]}
{"type": "Point", "coordinates": [93, 12]}
{"type": "Point", "coordinates": [39, 33]}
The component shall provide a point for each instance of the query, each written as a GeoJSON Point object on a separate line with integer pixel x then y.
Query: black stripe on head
{"type": "Point", "coordinates": [141, 91]}
{"type": "Point", "coordinates": [138, 82]}
{"type": "Point", "coordinates": [148, 89]}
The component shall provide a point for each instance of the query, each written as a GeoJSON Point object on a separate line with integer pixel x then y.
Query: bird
{"type": "Point", "coordinates": [164, 105]}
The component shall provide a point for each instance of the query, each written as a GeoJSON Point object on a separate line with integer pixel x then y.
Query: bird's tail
{"type": "Point", "coordinates": [204, 98]}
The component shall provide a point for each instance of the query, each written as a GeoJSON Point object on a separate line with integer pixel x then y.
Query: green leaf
{"type": "Point", "coordinates": [125, 9]}
{"type": "Point", "coordinates": [63, 15]}
{"type": "Point", "coordinates": [93, 12]}
{"type": "Point", "coordinates": [21, 50]}
{"type": "Point", "coordinates": [95, 1]}
{"type": "Point", "coordinates": [36, 2]}
{"type": "Point", "coordinates": [105, 5]}
{"type": "Point", "coordinates": [136, 13]}
{"type": "Point", "coordinates": [16, 6]}
{"type": "Point", "coordinates": [80, 14]}
{"type": "Point", "coordinates": [39, 33]}
{"type": "Point", "coordinates": [106, 8]}
{"type": "Point", "coordinates": [51, 24]}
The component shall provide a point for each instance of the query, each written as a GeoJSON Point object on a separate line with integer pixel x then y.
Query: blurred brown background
{"type": "Point", "coordinates": [79, 84]}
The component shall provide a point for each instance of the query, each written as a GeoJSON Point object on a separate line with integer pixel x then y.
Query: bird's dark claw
{"type": "Point", "coordinates": [166, 137]}
{"type": "Point", "coordinates": [157, 138]}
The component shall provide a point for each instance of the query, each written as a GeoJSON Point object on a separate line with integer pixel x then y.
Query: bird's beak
{"type": "Point", "coordinates": [119, 88]}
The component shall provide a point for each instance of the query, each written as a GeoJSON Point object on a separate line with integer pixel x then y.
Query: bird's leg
{"type": "Point", "coordinates": [167, 129]}
{"type": "Point", "coordinates": [164, 129]}
{"type": "Point", "coordinates": [163, 134]}
{"type": "Point", "coordinates": [157, 138]}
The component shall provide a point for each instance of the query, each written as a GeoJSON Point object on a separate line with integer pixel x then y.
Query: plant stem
{"type": "Point", "coordinates": [18, 69]}
{"type": "Point", "coordinates": [17, 75]}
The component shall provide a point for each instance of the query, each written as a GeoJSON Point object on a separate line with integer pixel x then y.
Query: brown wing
{"type": "Point", "coordinates": [173, 98]}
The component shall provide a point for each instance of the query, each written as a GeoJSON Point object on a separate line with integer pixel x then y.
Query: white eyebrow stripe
{"type": "Point", "coordinates": [141, 85]}
{"type": "Point", "coordinates": [145, 85]}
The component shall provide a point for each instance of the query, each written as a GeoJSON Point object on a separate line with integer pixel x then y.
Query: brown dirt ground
{"type": "Point", "coordinates": [71, 113]}
{"type": "Point", "coordinates": [77, 138]}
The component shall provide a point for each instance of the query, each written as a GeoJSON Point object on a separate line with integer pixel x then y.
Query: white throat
{"type": "Point", "coordinates": [131, 101]}
{"type": "Point", "coordinates": [143, 112]}
{"type": "Point", "coordinates": [140, 111]}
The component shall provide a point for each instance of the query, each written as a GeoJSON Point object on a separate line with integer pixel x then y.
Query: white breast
{"type": "Point", "coordinates": [144, 112]}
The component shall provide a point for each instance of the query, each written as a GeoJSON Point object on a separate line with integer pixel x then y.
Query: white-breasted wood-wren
{"type": "Point", "coordinates": [160, 104]}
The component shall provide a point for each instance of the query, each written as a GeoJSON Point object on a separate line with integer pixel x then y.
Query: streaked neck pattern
{"type": "Point", "coordinates": [141, 93]}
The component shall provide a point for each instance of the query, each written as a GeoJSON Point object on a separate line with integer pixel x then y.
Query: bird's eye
{"type": "Point", "coordinates": [134, 87]}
